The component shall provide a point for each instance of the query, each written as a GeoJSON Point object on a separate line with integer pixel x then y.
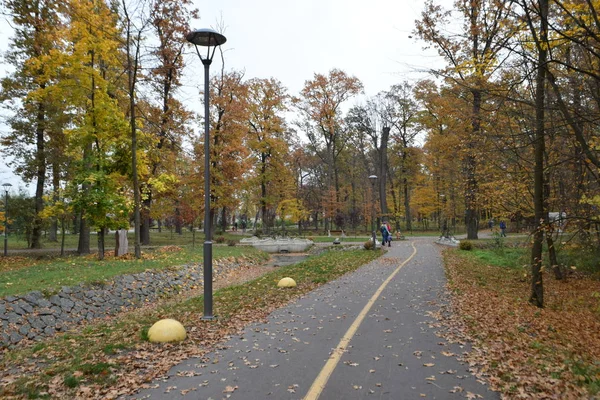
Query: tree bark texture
{"type": "Point", "coordinates": [40, 161]}
{"type": "Point", "coordinates": [537, 286]}
{"type": "Point", "coordinates": [470, 165]}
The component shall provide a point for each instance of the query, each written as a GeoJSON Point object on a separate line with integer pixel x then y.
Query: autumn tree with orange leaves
{"type": "Point", "coordinates": [319, 104]}
{"type": "Point", "coordinates": [472, 56]}
{"type": "Point", "coordinates": [268, 141]}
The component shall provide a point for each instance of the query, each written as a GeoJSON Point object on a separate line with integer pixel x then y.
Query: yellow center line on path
{"type": "Point", "coordinates": [319, 384]}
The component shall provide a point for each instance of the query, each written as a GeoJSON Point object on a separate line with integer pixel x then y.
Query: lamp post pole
{"type": "Point", "coordinates": [6, 187]}
{"type": "Point", "coordinates": [210, 39]}
{"type": "Point", "coordinates": [373, 178]}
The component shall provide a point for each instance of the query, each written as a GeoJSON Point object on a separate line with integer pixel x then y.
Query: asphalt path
{"type": "Point", "coordinates": [367, 335]}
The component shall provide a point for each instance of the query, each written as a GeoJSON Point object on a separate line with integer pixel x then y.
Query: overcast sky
{"type": "Point", "coordinates": [292, 40]}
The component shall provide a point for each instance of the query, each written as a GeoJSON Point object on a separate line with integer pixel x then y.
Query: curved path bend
{"type": "Point", "coordinates": [367, 335]}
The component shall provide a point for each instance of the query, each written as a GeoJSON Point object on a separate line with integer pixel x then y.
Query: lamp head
{"type": "Point", "coordinates": [205, 37]}
{"type": "Point", "coordinates": [372, 178]}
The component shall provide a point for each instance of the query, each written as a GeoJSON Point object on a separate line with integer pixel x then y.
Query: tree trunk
{"type": "Point", "coordinates": [40, 160]}
{"type": "Point", "coordinates": [62, 236]}
{"type": "Point", "coordinates": [385, 138]}
{"type": "Point", "coordinates": [178, 224]}
{"type": "Point", "coordinates": [471, 215]}
{"type": "Point", "coordinates": [550, 228]}
{"type": "Point", "coordinates": [407, 205]}
{"type": "Point", "coordinates": [224, 219]}
{"type": "Point", "coordinates": [537, 287]}
{"type": "Point", "coordinates": [145, 223]}
{"type": "Point", "coordinates": [553, 259]}
{"type": "Point", "coordinates": [53, 237]}
{"type": "Point", "coordinates": [101, 244]}
{"type": "Point", "coordinates": [83, 246]}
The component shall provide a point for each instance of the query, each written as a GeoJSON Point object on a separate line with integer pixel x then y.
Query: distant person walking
{"type": "Point", "coordinates": [385, 235]}
{"type": "Point", "coordinates": [502, 229]}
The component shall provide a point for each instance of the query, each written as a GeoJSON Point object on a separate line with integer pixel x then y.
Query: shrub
{"type": "Point", "coordinates": [368, 245]}
{"type": "Point", "coordinates": [220, 239]}
{"type": "Point", "coordinates": [231, 242]}
{"type": "Point", "coordinates": [465, 245]}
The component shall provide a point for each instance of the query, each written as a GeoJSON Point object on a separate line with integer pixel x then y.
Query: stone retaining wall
{"type": "Point", "coordinates": [35, 316]}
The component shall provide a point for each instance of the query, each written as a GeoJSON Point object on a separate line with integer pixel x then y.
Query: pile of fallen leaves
{"type": "Point", "coordinates": [524, 351]}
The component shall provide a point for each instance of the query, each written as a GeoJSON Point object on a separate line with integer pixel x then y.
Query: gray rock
{"type": "Point", "coordinates": [14, 318]}
{"type": "Point", "coordinates": [18, 310]}
{"type": "Point", "coordinates": [43, 303]}
{"type": "Point", "coordinates": [15, 337]}
{"type": "Point", "coordinates": [24, 329]}
{"type": "Point", "coordinates": [25, 306]}
{"type": "Point", "coordinates": [36, 322]}
{"type": "Point", "coordinates": [66, 304]}
{"type": "Point", "coordinates": [55, 300]}
{"type": "Point", "coordinates": [49, 331]}
{"type": "Point", "coordinates": [49, 320]}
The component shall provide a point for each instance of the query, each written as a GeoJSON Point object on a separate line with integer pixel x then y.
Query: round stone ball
{"type": "Point", "coordinates": [166, 330]}
{"type": "Point", "coordinates": [287, 282]}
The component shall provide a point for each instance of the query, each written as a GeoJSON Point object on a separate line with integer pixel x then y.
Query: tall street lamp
{"type": "Point", "coordinates": [6, 187]}
{"type": "Point", "coordinates": [210, 39]}
{"type": "Point", "coordinates": [373, 178]}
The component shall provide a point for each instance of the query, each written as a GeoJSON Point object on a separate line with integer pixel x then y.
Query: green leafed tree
{"type": "Point", "coordinates": [29, 94]}
{"type": "Point", "coordinates": [91, 70]}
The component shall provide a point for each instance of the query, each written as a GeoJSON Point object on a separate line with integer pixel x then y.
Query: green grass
{"type": "Point", "coordinates": [165, 238]}
{"type": "Point", "coordinates": [509, 257]}
{"type": "Point", "coordinates": [49, 276]}
{"type": "Point", "coordinates": [515, 252]}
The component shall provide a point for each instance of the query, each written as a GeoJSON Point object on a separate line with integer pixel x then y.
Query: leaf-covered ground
{"type": "Point", "coordinates": [527, 352]}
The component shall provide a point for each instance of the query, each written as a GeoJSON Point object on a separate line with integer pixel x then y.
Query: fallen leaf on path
{"type": "Point", "coordinates": [230, 389]}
